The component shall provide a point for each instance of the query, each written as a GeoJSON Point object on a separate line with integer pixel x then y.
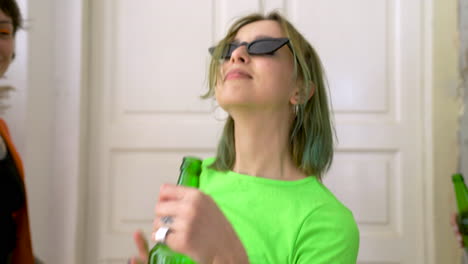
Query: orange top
{"type": "Point", "coordinates": [22, 254]}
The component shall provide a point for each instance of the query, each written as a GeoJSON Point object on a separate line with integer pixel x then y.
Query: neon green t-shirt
{"type": "Point", "coordinates": [284, 222]}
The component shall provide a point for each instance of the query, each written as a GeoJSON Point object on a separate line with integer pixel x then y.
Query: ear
{"type": "Point", "coordinates": [295, 97]}
{"type": "Point", "coordinates": [311, 91]}
{"type": "Point", "coordinates": [299, 96]}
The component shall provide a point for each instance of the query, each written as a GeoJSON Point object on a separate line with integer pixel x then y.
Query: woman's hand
{"type": "Point", "coordinates": [198, 228]}
{"type": "Point", "coordinates": [142, 246]}
{"type": "Point", "coordinates": [456, 231]}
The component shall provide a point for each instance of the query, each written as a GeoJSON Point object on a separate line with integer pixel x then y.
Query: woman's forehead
{"type": "Point", "coordinates": [259, 29]}
{"type": "Point", "coordinates": [4, 18]}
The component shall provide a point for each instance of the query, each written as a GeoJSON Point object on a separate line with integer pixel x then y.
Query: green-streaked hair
{"type": "Point", "coordinates": [312, 131]}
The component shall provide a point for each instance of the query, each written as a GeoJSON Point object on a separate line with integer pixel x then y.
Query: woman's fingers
{"type": "Point", "coordinates": [179, 204]}
{"type": "Point", "coordinates": [456, 230]}
{"type": "Point", "coordinates": [168, 208]}
{"type": "Point", "coordinates": [197, 223]}
{"type": "Point", "coordinates": [176, 203]}
{"type": "Point", "coordinates": [175, 192]}
{"type": "Point", "coordinates": [135, 260]}
{"type": "Point", "coordinates": [169, 192]}
{"type": "Point", "coordinates": [142, 246]}
{"type": "Point", "coordinates": [453, 221]}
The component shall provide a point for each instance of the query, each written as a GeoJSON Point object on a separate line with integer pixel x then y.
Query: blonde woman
{"type": "Point", "coordinates": [261, 199]}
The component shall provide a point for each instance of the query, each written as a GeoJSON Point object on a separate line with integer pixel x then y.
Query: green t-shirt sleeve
{"type": "Point", "coordinates": [328, 235]}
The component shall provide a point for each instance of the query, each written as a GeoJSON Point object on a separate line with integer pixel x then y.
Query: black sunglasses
{"type": "Point", "coordinates": [265, 46]}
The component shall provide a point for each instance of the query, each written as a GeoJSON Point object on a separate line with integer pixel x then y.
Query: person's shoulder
{"type": "Point", "coordinates": [3, 126]}
{"type": "Point", "coordinates": [207, 171]}
{"type": "Point", "coordinates": [319, 195]}
{"type": "Point", "coordinates": [330, 210]}
{"type": "Point", "coordinates": [329, 234]}
{"type": "Point", "coordinates": [210, 177]}
{"type": "Point", "coordinates": [208, 161]}
{"type": "Point", "coordinates": [334, 211]}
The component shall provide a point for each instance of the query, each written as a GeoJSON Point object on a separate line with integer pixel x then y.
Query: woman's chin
{"type": "Point", "coordinates": [232, 105]}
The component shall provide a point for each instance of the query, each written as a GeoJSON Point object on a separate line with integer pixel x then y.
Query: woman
{"type": "Point", "coordinates": [261, 199]}
{"type": "Point", "coordinates": [15, 241]}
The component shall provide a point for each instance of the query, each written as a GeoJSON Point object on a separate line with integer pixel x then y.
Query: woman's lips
{"type": "Point", "coordinates": [237, 74]}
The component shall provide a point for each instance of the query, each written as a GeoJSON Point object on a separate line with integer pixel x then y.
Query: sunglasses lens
{"type": "Point", "coordinates": [211, 50]}
{"type": "Point", "coordinates": [229, 49]}
{"type": "Point", "coordinates": [226, 53]}
{"type": "Point", "coordinates": [266, 46]}
{"type": "Point", "coordinates": [258, 47]}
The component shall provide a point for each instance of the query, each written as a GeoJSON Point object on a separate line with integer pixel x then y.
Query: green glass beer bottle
{"type": "Point", "coordinates": [189, 176]}
{"type": "Point", "coordinates": [461, 194]}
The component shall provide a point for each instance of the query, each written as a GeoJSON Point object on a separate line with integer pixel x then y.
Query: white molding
{"type": "Point", "coordinates": [82, 210]}
{"type": "Point", "coordinates": [68, 149]}
{"type": "Point", "coordinates": [428, 148]}
{"type": "Point", "coordinates": [83, 151]}
{"type": "Point", "coordinates": [56, 129]}
{"type": "Point", "coordinates": [39, 132]}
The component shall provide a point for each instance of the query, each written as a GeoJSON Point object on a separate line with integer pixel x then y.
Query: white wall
{"type": "Point", "coordinates": [53, 128]}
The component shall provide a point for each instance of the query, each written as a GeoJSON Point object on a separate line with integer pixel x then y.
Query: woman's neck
{"type": "Point", "coordinates": [262, 147]}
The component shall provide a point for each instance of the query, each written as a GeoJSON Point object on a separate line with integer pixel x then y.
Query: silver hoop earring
{"type": "Point", "coordinates": [296, 109]}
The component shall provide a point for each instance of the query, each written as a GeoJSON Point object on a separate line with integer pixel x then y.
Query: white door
{"type": "Point", "coordinates": [148, 67]}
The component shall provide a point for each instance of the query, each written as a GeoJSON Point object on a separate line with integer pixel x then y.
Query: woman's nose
{"type": "Point", "coordinates": [240, 55]}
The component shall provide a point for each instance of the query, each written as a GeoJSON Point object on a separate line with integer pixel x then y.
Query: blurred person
{"type": "Point", "coordinates": [15, 239]}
